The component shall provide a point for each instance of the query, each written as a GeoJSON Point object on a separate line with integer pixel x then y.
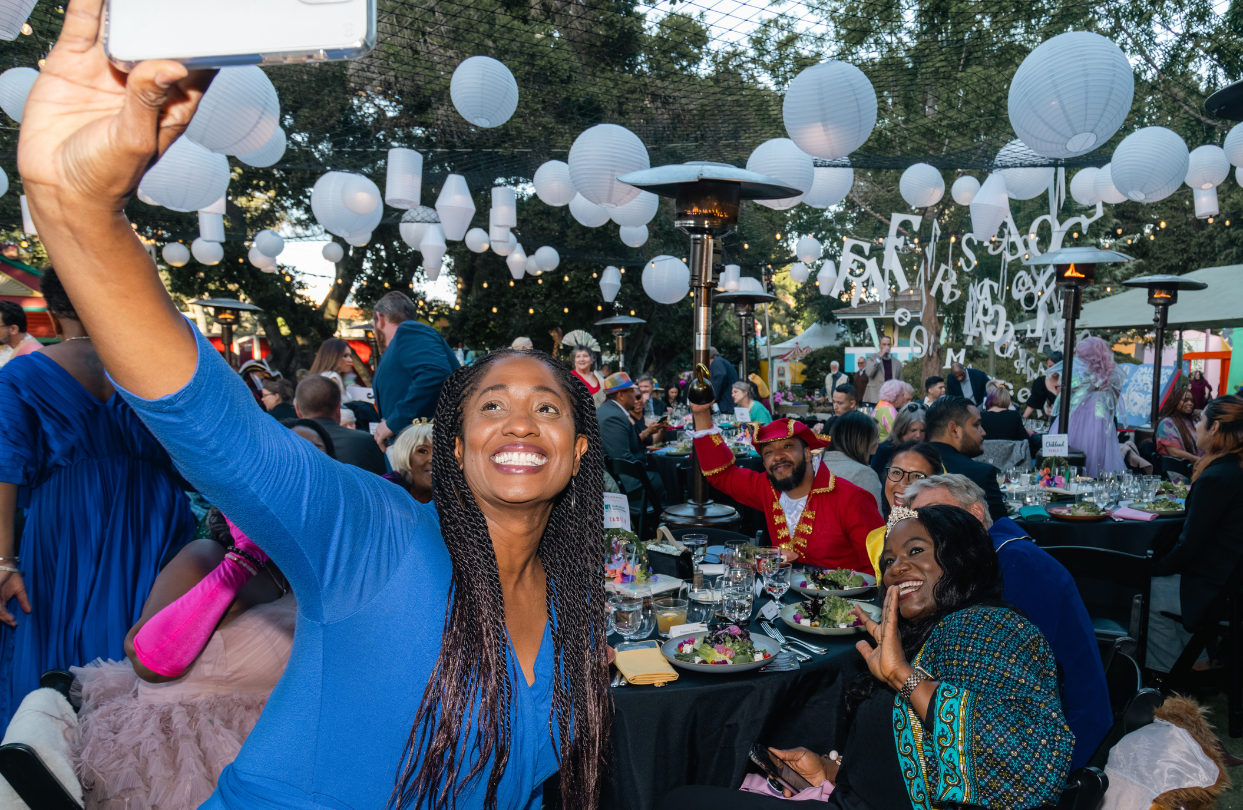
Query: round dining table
{"type": "Point", "coordinates": [1132, 536]}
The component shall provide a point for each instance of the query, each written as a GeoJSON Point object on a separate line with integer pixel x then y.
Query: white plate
{"type": "Point", "coordinates": [797, 577]}
{"type": "Point", "coordinates": [763, 642]}
{"type": "Point", "coordinates": [787, 616]}
{"type": "Point", "coordinates": [661, 585]}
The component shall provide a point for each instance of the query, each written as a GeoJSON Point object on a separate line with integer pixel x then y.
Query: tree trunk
{"type": "Point", "coordinates": [347, 270]}
{"type": "Point", "coordinates": [931, 362]}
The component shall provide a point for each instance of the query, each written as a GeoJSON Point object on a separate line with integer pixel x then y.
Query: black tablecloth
{"type": "Point", "coordinates": [1131, 536]}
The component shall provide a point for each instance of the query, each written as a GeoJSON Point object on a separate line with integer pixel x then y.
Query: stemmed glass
{"type": "Point", "coordinates": [698, 546]}
{"type": "Point", "coordinates": [777, 580]}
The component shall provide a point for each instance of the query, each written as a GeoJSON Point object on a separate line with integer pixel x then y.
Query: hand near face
{"type": "Point", "coordinates": [886, 661]}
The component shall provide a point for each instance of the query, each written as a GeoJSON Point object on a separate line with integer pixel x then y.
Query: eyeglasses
{"type": "Point", "coordinates": [896, 474]}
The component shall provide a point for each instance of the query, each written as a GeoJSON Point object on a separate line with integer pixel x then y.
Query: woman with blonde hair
{"type": "Point", "coordinates": [583, 366]}
{"type": "Point", "coordinates": [998, 419]}
{"type": "Point", "coordinates": [410, 456]}
{"type": "Point", "coordinates": [333, 360]}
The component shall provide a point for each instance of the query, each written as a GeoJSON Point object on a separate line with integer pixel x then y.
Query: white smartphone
{"type": "Point", "coordinates": [222, 33]}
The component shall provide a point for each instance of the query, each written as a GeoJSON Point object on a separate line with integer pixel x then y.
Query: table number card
{"type": "Point", "coordinates": [1055, 445]}
{"type": "Point", "coordinates": [770, 611]}
{"type": "Point", "coordinates": [742, 414]}
{"type": "Point", "coordinates": [616, 511]}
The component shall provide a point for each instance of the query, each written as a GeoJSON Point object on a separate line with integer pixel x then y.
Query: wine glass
{"type": "Point", "coordinates": [698, 546]}
{"type": "Point", "coordinates": [777, 580]}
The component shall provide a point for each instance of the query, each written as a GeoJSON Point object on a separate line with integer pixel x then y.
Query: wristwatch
{"type": "Point", "coordinates": [917, 676]}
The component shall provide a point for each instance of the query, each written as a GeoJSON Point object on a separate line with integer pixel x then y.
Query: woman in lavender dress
{"type": "Point", "coordinates": [1094, 390]}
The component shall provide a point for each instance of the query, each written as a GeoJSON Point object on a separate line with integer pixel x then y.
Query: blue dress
{"type": "Point", "coordinates": [102, 510]}
{"type": "Point", "coordinates": [371, 574]}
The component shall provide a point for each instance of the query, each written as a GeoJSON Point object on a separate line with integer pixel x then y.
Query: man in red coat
{"type": "Point", "coordinates": [822, 518]}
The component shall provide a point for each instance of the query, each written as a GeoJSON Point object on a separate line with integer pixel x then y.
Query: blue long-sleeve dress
{"type": "Point", "coordinates": [103, 509]}
{"type": "Point", "coordinates": [371, 574]}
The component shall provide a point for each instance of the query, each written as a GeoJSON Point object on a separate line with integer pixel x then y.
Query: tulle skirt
{"type": "Point", "coordinates": [1092, 430]}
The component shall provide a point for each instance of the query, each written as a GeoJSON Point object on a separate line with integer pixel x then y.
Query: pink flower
{"type": "Point", "coordinates": [734, 631]}
{"type": "Point", "coordinates": [721, 649]}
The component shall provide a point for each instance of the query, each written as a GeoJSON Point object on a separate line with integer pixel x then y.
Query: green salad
{"type": "Point", "coordinates": [732, 645]}
{"type": "Point", "coordinates": [1173, 490]}
{"type": "Point", "coordinates": [826, 611]}
{"type": "Point", "coordinates": [837, 579]}
{"type": "Point", "coordinates": [1159, 505]}
{"type": "Point", "coordinates": [1083, 510]}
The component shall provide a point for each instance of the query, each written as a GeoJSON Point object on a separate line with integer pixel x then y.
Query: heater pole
{"type": "Point", "coordinates": [1070, 301]}
{"type": "Point", "coordinates": [701, 284]}
{"type": "Point", "coordinates": [1159, 320]}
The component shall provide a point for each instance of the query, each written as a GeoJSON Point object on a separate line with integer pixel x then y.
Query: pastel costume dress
{"type": "Point", "coordinates": [1093, 404]}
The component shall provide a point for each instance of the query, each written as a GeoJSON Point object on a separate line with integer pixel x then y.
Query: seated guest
{"type": "Point", "coordinates": [970, 383]}
{"type": "Point", "coordinates": [845, 399]}
{"type": "Point", "coordinates": [1041, 398]}
{"type": "Point", "coordinates": [318, 399]}
{"type": "Point", "coordinates": [1043, 589]}
{"type": "Point", "coordinates": [1176, 433]}
{"type": "Point", "coordinates": [954, 429]}
{"type": "Point", "coordinates": [894, 395]}
{"type": "Point", "coordinates": [823, 518]}
{"type": "Point", "coordinates": [649, 395]}
{"type": "Point", "coordinates": [741, 393]}
{"type": "Point", "coordinates": [850, 447]}
{"type": "Point", "coordinates": [908, 427]}
{"type": "Point", "coordinates": [911, 462]}
{"type": "Point", "coordinates": [620, 437]}
{"type": "Point", "coordinates": [673, 397]}
{"type": "Point", "coordinates": [410, 456]}
{"type": "Point", "coordinates": [278, 399]}
{"type": "Point", "coordinates": [998, 419]}
{"type": "Point", "coordinates": [934, 389]}
{"type": "Point", "coordinates": [639, 419]}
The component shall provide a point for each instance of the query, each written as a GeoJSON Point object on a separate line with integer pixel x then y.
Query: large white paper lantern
{"type": "Point", "coordinates": [414, 223]}
{"type": "Point", "coordinates": [484, 92]}
{"type": "Point", "coordinates": [588, 213]}
{"type": "Point", "coordinates": [15, 84]}
{"type": "Point", "coordinates": [827, 277]}
{"type": "Point", "coordinates": [517, 261]}
{"type": "Point", "coordinates": [1238, 175]}
{"type": "Point", "coordinates": [829, 186]}
{"type": "Point", "coordinates": [360, 195]}
{"type": "Point", "coordinates": [829, 109]}
{"type": "Point", "coordinates": [1103, 185]}
{"type": "Point", "coordinates": [990, 207]}
{"type": "Point", "coordinates": [187, 177]}
{"type": "Point", "coordinates": [206, 252]}
{"type": "Point", "coordinates": [666, 280]}
{"type": "Point", "coordinates": [456, 207]}
{"type": "Point", "coordinates": [921, 186]}
{"type": "Point", "coordinates": [1205, 202]}
{"type": "Point", "coordinates": [729, 278]}
{"type": "Point", "coordinates": [610, 283]}
{"type": "Point", "coordinates": [211, 226]}
{"type": "Point", "coordinates": [259, 259]}
{"type": "Point", "coordinates": [433, 245]}
{"type": "Point", "coordinates": [799, 272]}
{"type": "Point", "coordinates": [1022, 184]}
{"type": "Point", "coordinates": [781, 159]}
{"type": "Point", "coordinates": [269, 243]}
{"type": "Point", "coordinates": [548, 258]}
{"type": "Point", "coordinates": [432, 269]}
{"type": "Point", "coordinates": [533, 268]}
{"type": "Point", "coordinates": [477, 240]}
{"type": "Point", "coordinates": [1150, 164]}
{"type": "Point", "coordinates": [269, 154]}
{"type": "Point", "coordinates": [599, 156]}
{"type": "Point", "coordinates": [1071, 94]}
{"type": "Point", "coordinates": [1083, 186]}
{"type": "Point", "coordinates": [637, 212]}
{"type": "Point", "coordinates": [328, 206]}
{"type": "Point", "coordinates": [808, 249]}
{"type": "Point", "coordinates": [176, 254]}
{"type": "Point", "coordinates": [358, 239]}
{"type": "Point", "coordinates": [4, 183]}
{"type": "Point", "coordinates": [1233, 145]}
{"type": "Point", "coordinates": [1207, 167]}
{"type": "Point", "coordinates": [553, 184]}
{"type": "Point", "coordinates": [964, 189]}
{"type": "Point", "coordinates": [239, 113]}
{"type": "Point", "coordinates": [13, 14]}
{"type": "Point", "coordinates": [506, 246]}
{"type": "Point", "coordinates": [504, 211]}
{"type": "Point", "coordinates": [633, 237]}
{"type": "Point", "coordinates": [333, 252]}
{"type": "Point", "coordinates": [403, 178]}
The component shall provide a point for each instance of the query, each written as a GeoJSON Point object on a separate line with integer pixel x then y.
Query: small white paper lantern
{"type": "Point", "coordinates": [187, 177]}
{"type": "Point", "coordinates": [779, 158]}
{"type": "Point", "coordinates": [504, 207]}
{"type": "Point", "coordinates": [1150, 164]}
{"type": "Point", "coordinates": [964, 189]}
{"type": "Point", "coordinates": [360, 195]}
{"type": "Point", "coordinates": [1206, 202]}
{"type": "Point", "coordinates": [477, 240]}
{"type": "Point", "coordinates": [211, 226]}
{"type": "Point", "coordinates": [13, 14]}
{"type": "Point", "coordinates": [4, 183]}
{"type": "Point", "coordinates": [1071, 94]}
{"type": "Point", "coordinates": [533, 268]}
{"type": "Point", "coordinates": [358, 239]}
{"type": "Point", "coordinates": [1103, 185]}
{"type": "Point", "coordinates": [1233, 145]}
{"type": "Point", "coordinates": [808, 249]}
{"type": "Point", "coordinates": [333, 252]}
{"type": "Point", "coordinates": [328, 206]}
{"type": "Point", "coordinates": [206, 252]}
{"type": "Point", "coordinates": [829, 186]}
{"type": "Point", "coordinates": [403, 178]}
{"type": "Point", "coordinates": [750, 284]}
{"type": "Point", "coordinates": [548, 258]}
{"type": "Point", "coordinates": [414, 223]}
{"type": "Point", "coordinates": [270, 268]}
{"type": "Point", "coordinates": [553, 184]}
{"type": "Point", "coordinates": [269, 243]}
{"type": "Point", "coordinates": [587, 213]}
{"type": "Point", "coordinates": [456, 207]}
{"type": "Point", "coordinates": [666, 280]}
{"type": "Point", "coordinates": [258, 259]}
{"type": "Point", "coordinates": [799, 272]}
{"type": "Point", "coordinates": [827, 277]}
{"type": "Point", "coordinates": [829, 109]}
{"type": "Point", "coordinates": [238, 114]}
{"type": "Point", "coordinates": [433, 245]}
{"type": "Point", "coordinates": [729, 278]}
{"type": "Point", "coordinates": [517, 261]}
{"type": "Point", "coordinates": [28, 223]}
{"type": "Point", "coordinates": [506, 246]}
{"type": "Point", "coordinates": [176, 254]}
{"type": "Point", "coordinates": [1083, 186]}
{"type": "Point", "coordinates": [484, 91]}
{"type": "Point", "coordinates": [610, 283]}
{"type": "Point", "coordinates": [990, 207]}
{"type": "Point", "coordinates": [1207, 167]}
{"type": "Point", "coordinates": [921, 186]}
{"type": "Point", "coordinates": [269, 154]}
{"type": "Point", "coordinates": [599, 156]}
{"type": "Point", "coordinates": [1238, 176]}
{"type": "Point", "coordinates": [637, 212]}
{"type": "Point", "coordinates": [15, 84]}
{"type": "Point", "coordinates": [1022, 184]}
{"type": "Point", "coordinates": [633, 237]}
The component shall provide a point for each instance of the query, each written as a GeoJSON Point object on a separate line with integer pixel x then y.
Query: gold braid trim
{"type": "Point", "coordinates": [720, 469]}
{"type": "Point", "coordinates": [829, 488]}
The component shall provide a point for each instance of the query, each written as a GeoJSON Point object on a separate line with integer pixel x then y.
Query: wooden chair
{"type": "Point", "coordinates": [1116, 588]}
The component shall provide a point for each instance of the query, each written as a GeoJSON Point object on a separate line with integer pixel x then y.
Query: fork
{"type": "Point", "coordinates": [771, 633]}
{"type": "Point", "coordinates": [779, 636]}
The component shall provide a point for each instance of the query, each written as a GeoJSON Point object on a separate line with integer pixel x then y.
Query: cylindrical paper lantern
{"type": "Point", "coordinates": [505, 246]}
{"type": "Point", "coordinates": [211, 226]}
{"type": "Point", "coordinates": [28, 224]}
{"type": "Point", "coordinates": [799, 272]}
{"type": "Point", "coordinates": [588, 213]}
{"type": "Point", "coordinates": [666, 280]}
{"type": "Point", "coordinates": [187, 177]}
{"type": "Point", "coordinates": [517, 262]}
{"type": "Point", "coordinates": [553, 184]}
{"type": "Point", "coordinates": [456, 207]}
{"type": "Point", "coordinates": [827, 277]}
{"type": "Point", "coordinates": [829, 186]}
{"type": "Point", "coordinates": [238, 114]}
{"type": "Point", "coordinates": [633, 237]}
{"type": "Point", "coordinates": [176, 254]}
{"type": "Point", "coordinates": [360, 195]}
{"type": "Point", "coordinates": [207, 252]}
{"type": "Point", "coordinates": [1150, 164]}
{"type": "Point", "coordinates": [13, 14]}
{"type": "Point", "coordinates": [729, 278]}
{"type": "Point", "coordinates": [218, 207]}
{"type": "Point", "coordinates": [808, 249]}
{"type": "Point", "coordinates": [637, 212]}
{"type": "Point", "coordinates": [1083, 186]}
{"type": "Point", "coordinates": [548, 258]}
{"type": "Point", "coordinates": [358, 239]}
{"type": "Point", "coordinates": [483, 91]}
{"type": "Point", "coordinates": [1022, 184]}
{"type": "Point", "coordinates": [610, 283]}
{"type": "Point", "coordinates": [269, 243]}
{"type": "Point", "coordinates": [829, 110]}
{"type": "Point", "coordinates": [329, 209]}
{"type": "Point", "coordinates": [964, 189]}
{"type": "Point", "coordinates": [333, 252]}
{"type": "Point", "coordinates": [1233, 145]}
{"type": "Point", "coordinates": [477, 240]}
{"type": "Point", "coordinates": [1071, 94]}
{"type": "Point", "coordinates": [921, 186]}
{"type": "Point", "coordinates": [990, 207]}
{"type": "Point", "coordinates": [403, 178]}
{"type": "Point", "coordinates": [433, 245]}
{"type": "Point", "coordinates": [414, 222]}
{"type": "Point", "coordinates": [504, 207]}
{"type": "Point", "coordinates": [599, 156]}
{"type": "Point", "coordinates": [259, 259]}
{"type": "Point", "coordinates": [269, 154]}
{"type": "Point", "coordinates": [779, 158]}
{"type": "Point", "coordinates": [1207, 167]}
{"type": "Point", "coordinates": [1206, 202]}
{"type": "Point", "coordinates": [15, 84]}
{"type": "Point", "coordinates": [1103, 185]}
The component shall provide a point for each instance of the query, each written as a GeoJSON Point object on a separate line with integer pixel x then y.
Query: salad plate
{"type": "Point", "coordinates": [834, 616]}
{"type": "Point", "coordinates": [716, 651]}
{"type": "Point", "coordinates": [837, 582]}
{"type": "Point", "coordinates": [1079, 513]}
{"type": "Point", "coordinates": [1164, 507]}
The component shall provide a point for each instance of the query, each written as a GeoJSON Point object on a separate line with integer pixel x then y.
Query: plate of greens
{"type": "Point", "coordinates": [1161, 506]}
{"type": "Point", "coordinates": [678, 449]}
{"type": "Point", "coordinates": [834, 581]}
{"type": "Point", "coordinates": [1171, 490]}
{"type": "Point", "coordinates": [1078, 513]}
{"type": "Point", "coordinates": [827, 615]}
{"type": "Point", "coordinates": [732, 649]}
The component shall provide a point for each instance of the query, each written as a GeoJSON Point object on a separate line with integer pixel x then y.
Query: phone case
{"type": "Point", "coordinates": [223, 33]}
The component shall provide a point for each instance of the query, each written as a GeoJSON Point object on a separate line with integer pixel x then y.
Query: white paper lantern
{"type": "Point", "coordinates": [142, 195]}
{"type": "Point", "coordinates": [239, 113]}
{"type": "Point", "coordinates": [548, 258]}
{"type": "Point", "coordinates": [456, 207]}
{"type": "Point", "coordinates": [750, 284]}
{"type": "Point", "coordinates": [504, 207]}
{"type": "Point", "coordinates": [270, 268]}
{"type": "Point", "coordinates": [28, 223]}
{"type": "Point", "coordinates": [779, 158]}
{"type": "Point", "coordinates": [432, 269]}
{"type": "Point", "coordinates": [187, 177]}
{"type": "Point", "coordinates": [176, 254]}
{"type": "Point", "coordinates": [333, 252]}
{"type": "Point", "coordinates": [477, 240]}
{"type": "Point", "coordinates": [358, 239]}
{"type": "Point", "coordinates": [587, 213]}
{"type": "Point", "coordinates": [633, 237]}
{"type": "Point", "coordinates": [4, 183]}
{"type": "Point", "coordinates": [610, 283]}
{"type": "Point", "coordinates": [433, 245]}
{"type": "Point", "coordinates": [1150, 164]}
{"type": "Point", "coordinates": [1071, 94]}
{"type": "Point", "coordinates": [484, 92]}
{"type": "Point", "coordinates": [1083, 186]}
{"type": "Point", "coordinates": [506, 246]}
{"type": "Point", "coordinates": [218, 207]}
{"type": "Point", "coordinates": [829, 186]}
{"type": "Point", "coordinates": [666, 280]}
{"type": "Point", "coordinates": [1233, 145]}
{"type": "Point", "coordinates": [517, 261]}
{"type": "Point", "coordinates": [269, 243]}
{"type": "Point", "coordinates": [360, 195]}
{"type": "Point", "coordinates": [414, 223]}
{"type": "Point", "coordinates": [259, 259]}
{"type": "Point", "coordinates": [206, 252]}
{"type": "Point", "coordinates": [599, 156]}
{"type": "Point", "coordinates": [269, 154]}
{"type": "Point", "coordinates": [211, 226]}
{"type": "Point", "coordinates": [637, 212]}
{"type": "Point", "coordinates": [799, 272]}
{"type": "Point", "coordinates": [403, 178]}
{"type": "Point", "coordinates": [808, 249]}
{"type": "Point", "coordinates": [729, 278]}
{"type": "Point", "coordinates": [827, 277]}
{"type": "Point", "coordinates": [1103, 185]}
{"type": "Point", "coordinates": [15, 84]}
{"type": "Point", "coordinates": [328, 206]}
{"type": "Point", "coordinates": [964, 189]}
{"type": "Point", "coordinates": [533, 268]}
{"type": "Point", "coordinates": [13, 14]}
{"type": "Point", "coordinates": [1207, 167]}
{"type": "Point", "coordinates": [553, 184]}
{"type": "Point", "coordinates": [829, 109]}
{"type": "Point", "coordinates": [1022, 184]}
{"type": "Point", "coordinates": [1238, 176]}
{"type": "Point", "coordinates": [1205, 201]}
{"type": "Point", "coordinates": [990, 207]}
{"type": "Point", "coordinates": [921, 186]}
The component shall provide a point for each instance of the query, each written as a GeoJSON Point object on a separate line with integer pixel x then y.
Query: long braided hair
{"type": "Point", "coordinates": [466, 706]}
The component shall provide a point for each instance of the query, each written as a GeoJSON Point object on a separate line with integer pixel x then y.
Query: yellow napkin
{"type": "Point", "coordinates": [646, 666]}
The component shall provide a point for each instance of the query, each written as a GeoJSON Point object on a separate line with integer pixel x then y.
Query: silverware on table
{"type": "Point", "coordinates": [800, 655]}
{"type": "Point", "coordinates": [773, 632]}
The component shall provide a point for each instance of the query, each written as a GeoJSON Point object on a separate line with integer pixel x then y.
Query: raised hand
{"type": "Point", "coordinates": [886, 661]}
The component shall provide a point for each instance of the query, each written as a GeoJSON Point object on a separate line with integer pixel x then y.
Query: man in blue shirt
{"type": "Point", "coordinates": [1043, 589]}
{"type": "Point", "coordinates": [415, 365]}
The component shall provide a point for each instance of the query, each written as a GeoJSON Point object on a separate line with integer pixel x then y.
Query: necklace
{"type": "Point", "coordinates": [79, 337]}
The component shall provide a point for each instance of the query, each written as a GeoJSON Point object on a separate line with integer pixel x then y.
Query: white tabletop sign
{"type": "Point", "coordinates": [742, 414]}
{"type": "Point", "coordinates": [1055, 445]}
{"type": "Point", "coordinates": [616, 511]}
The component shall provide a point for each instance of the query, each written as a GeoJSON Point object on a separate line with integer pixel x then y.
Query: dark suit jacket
{"type": "Point", "coordinates": [985, 475]}
{"type": "Point", "coordinates": [979, 381]}
{"type": "Point", "coordinates": [355, 447]}
{"type": "Point", "coordinates": [723, 378]}
{"type": "Point", "coordinates": [283, 411]}
{"type": "Point", "coordinates": [411, 374]}
{"type": "Point", "coordinates": [620, 437]}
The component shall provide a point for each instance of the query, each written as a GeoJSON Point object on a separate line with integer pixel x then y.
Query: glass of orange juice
{"type": "Point", "coordinates": [670, 612]}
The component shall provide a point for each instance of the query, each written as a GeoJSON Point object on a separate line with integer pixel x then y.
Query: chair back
{"type": "Point", "coordinates": [1123, 679]}
{"type": "Point", "coordinates": [716, 537]}
{"type": "Point", "coordinates": [644, 496]}
{"type": "Point", "coordinates": [1115, 588]}
{"type": "Point", "coordinates": [1006, 453]}
{"type": "Point", "coordinates": [1084, 790]}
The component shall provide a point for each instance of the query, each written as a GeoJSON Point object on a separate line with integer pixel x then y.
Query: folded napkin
{"type": "Point", "coordinates": [1033, 514]}
{"type": "Point", "coordinates": [646, 666]}
{"type": "Point", "coordinates": [1133, 514]}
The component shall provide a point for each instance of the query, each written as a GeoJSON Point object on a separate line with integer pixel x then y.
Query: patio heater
{"type": "Point", "coordinates": [621, 330]}
{"type": "Point", "coordinates": [706, 200]}
{"type": "Point", "coordinates": [744, 302]}
{"type": "Point", "coordinates": [225, 311]}
{"type": "Point", "coordinates": [1162, 292]}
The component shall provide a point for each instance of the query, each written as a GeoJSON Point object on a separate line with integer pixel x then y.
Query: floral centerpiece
{"type": "Point", "coordinates": [787, 402]}
{"type": "Point", "coordinates": [626, 557]}
{"type": "Point", "coordinates": [1054, 473]}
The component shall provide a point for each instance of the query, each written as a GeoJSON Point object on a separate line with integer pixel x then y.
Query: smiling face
{"type": "Point", "coordinates": [787, 462]}
{"type": "Point", "coordinates": [582, 361]}
{"type": "Point", "coordinates": [420, 474]}
{"type": "Point", "coordinates": [910, 563]}
{"type": "Point", "coordinates": [906, 467]}
{"type": "Point", "coordinates": [1187, 404]}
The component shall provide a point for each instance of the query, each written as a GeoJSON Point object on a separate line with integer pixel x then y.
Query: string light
{"type": "Point", "coordinates": [493, 310]}
{"type": "Point", "coordinates": [565, 278]}
{"type": "Point", "coordinates": [778, 236]}
{"type": "Point", "coordinates": [485, 285]}
{"type": "Point", "coordinates": [566, 310]}
{"type": "Point", "coordinates": [511, 284]}
{"type": "Point", "coordinates": [595, 275]}
{"type": "Point", "coordinates": [745, 246]}
{"type": "Point", "coordinates": [455, 306]}
{"type": "Point", "coordinates": [1152, 236]}
{"type": "Point", "coordinates": [530, 312]}
{"type": "Point", "coordinates": [632, 312]}
{"type": "Point", "coordinates": [1162, 223]}
{"type": "Point", "coordinates": [599, 308]}
{"type": "Point", "coordinates": [1119, 231]}
{"type": "Point", "coordinates": [953, 239]}
{"type": "Point", "coordinates": [1210, 220]}
{"type": "Point", "coordinates": [1075, 234]}
{"type": "Point", "coordinates": [623, 269]}
{"type": "Point", "coordinates": [539, 281]}
{"type": "Point", "coordinates": [26, 29]}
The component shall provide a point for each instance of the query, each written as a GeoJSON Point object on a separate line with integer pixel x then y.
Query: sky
{"type": "Point", "coordinates": [310, 266]}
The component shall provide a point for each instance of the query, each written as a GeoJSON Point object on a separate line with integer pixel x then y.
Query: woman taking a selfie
{"type": "Point", "coordinates": [446, 655]}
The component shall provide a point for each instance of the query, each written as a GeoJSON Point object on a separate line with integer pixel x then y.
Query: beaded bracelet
{"type": "Point", "coordinates": [10, 569]}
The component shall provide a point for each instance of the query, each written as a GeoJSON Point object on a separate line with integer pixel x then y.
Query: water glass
{"type": "Point", "coordinates": [698, 546]}
{"type": "Point", "coordinates": [766, 558]}
{"type": "Point", "coordinates": [626, 615]}
{"type": "Point", "coordinates": [740, 577]}
{"type": "Point", "coordinates": [777, 580]}
{"type": "Point", "coordinates": [704, 602]}
{"type": "Point", "coordinates": [737, 604]}
{"type": "Point", "coordinates": [670, 612]}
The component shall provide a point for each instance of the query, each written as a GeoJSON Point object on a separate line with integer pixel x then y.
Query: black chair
{"type": "Point", "coordinates": [23, 768]}
{"type": "Point", "coordinates": [1115, 587]}
{"type": "Point", "coordinates": [1084, 790]}
{"type": "Point", "coordinates": [645, 505]}
{"type": "Point", "coordinates": [1123, 677]}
